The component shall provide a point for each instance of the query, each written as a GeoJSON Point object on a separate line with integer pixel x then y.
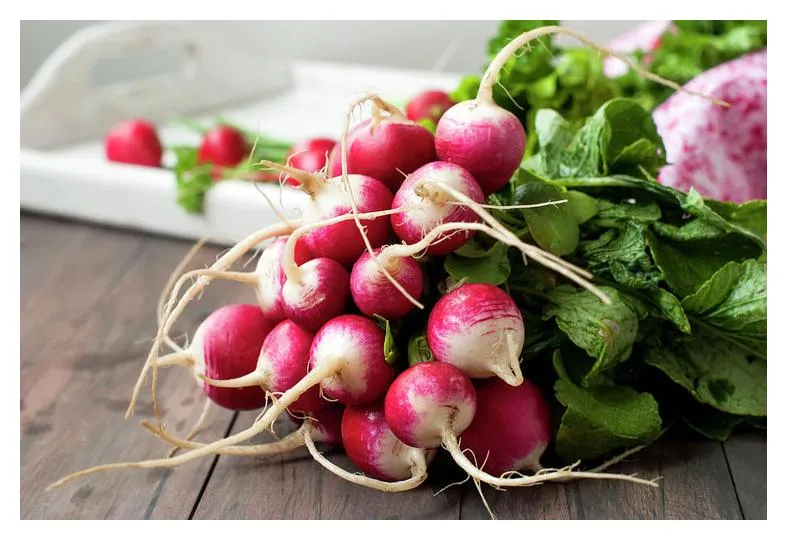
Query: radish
{"type": "Point", "coordinates": [322, 426]}
{"type": "Point", "coordinates": [283, 361]}
{"type": "Point", "coordinates": [489, 141]}
{"type": "Point", "coordinates": [429, 105]}
{"type": "Point", "coordinates": [271, 277]}
{"type": "Point", "coordinates": [310, 156]}
{"type": "Point", "coordinates": [226, 345]}
{"type": "Point", "coordinates": [431, 403]}
{"type": "Point", "coordinates": [430, 206]}
{"type": "Point", "coordinates": [134, 142]}
{"type": "Point", "coordinates": [341, 241]}
{"type": "Point", "coordinates": [524, 412]}
{"type": "Point", "coordinates": [374, 294]}
{"type": "Point", "coordinates": [223, 146]}
{"type": "Point", "coordinates": [478, 328]}
{"type": "Point", "coordinates": [385, 147]}
{"type": "Point", "coordinates": [373, 448]}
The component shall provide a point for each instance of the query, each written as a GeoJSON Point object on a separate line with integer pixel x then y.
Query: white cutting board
{"type": "Point", "coordinates": [65, 114]}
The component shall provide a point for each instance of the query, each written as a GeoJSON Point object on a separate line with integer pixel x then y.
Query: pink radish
{"type": "Point", "coordinates": [317, 293]}
{"type": "Point", "coordinates": [223, 146]}
{"type": "Point", "coordinates": [429, 206]}
{"type": "Point", "coordinates": [478, 328]}
{"type": "Point", "coordinates": [429, 105]}
{"type": "Point", "coordinates": [391, 465]}
{"type": "Point", "coordinates": [272, 277]}
{"type": "Point", "coordinates": [134, 142]}
{"type": "Point", "coordinates": [524, 412]}
{"type": "Point", "coordinates": [226, 345]}
{"type": "Point", "coordinates": [722, 152]}
{"type": "Point", "coordinates": [310, 156]}
{"type": "Point", "coordinates": [385, 147]}
{"type": "Point", "coordinates": [341, 241]}
{"type": "Point", "coordinates": [374, 294]}
{"type": "Point", "coordinates": [432, 403]}
{"type": "Point", "coordinates": [322, 426]}
{"type": "Point", "coordinates": [428, 400]}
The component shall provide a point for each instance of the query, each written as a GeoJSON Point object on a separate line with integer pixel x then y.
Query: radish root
{"type": "Point", "coordinates": [451, 443]}
{"type": "Point", "coordinates": [418, 468]}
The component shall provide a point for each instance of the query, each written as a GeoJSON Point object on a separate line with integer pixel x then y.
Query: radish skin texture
{"type": "Point", "coordinates": [429, 105]}
{"type": "Point", "coordinates": [374, 294]}
{"type": "Point", "coordinates": [321, 295]}
{"type": "Point", "coordinates": [134, 142]}
{"type": "Point", "coordinates": [478, 328]}
{"type": "Point", "coordinates": [342, 242]}
{"type": "Point", "coordinates": [365, 375]}
{"type": "Point", "coordinates": [430, 210]}
{"type": "Point", "coordinates": [271, 277]}
{"type": "Point", "coordinates": [528, 428]}
{"type": "Point", "coordinates": [284, 360]}
{"type": "Point", "coordinates": [387, 149]}
{"type": "Point", "coordinates": [373, 448]}
{"type": "Point", "coordinates": [721, 152]}
{"type": "Point", "coordinates": [427, 399]}
{"type": "Point", "coordinates": [227, 345]}
{"type": "Point", "coordinates": [325, 423]}
{"type": "Point", "coordinates": [223, 146]}
{"type": "Point", "coordinates": [483, 138]}
{"type": "Point", "coordinates": [309, 155]}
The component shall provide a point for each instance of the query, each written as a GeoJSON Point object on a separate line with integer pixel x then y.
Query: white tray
{"type": "Point", "coordinates": [63, 170]}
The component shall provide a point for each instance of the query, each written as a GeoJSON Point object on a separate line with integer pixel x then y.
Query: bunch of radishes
{"type": "Point", "coordinates": [314, 343]}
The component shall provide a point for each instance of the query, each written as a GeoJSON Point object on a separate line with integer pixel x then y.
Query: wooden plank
{"type": "Point", "coordinates": [86, 329]}
{"type": "Point", "coordinates": [695, 485]}
{"type": "Point", "coordinates": [746, 457]}
{"type": "Point", "coordinates": [295, 487]}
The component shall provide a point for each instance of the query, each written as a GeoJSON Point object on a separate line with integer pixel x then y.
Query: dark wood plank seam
{"type": "Point", "coordinates": [211, 469]}
{"type": "Point", "coordinates": [732, 479]}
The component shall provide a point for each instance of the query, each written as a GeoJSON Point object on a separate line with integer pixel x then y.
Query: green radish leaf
{"type": "Point", "coordinates": [714, 371]}
{"type": "Point", "coordinates": [494, 269]}
{"type": "Point", "coordinates": [602, 419]}
{"type": "Point", "coordinates": [583, 207]}
{"type": "Point", "coordinates": [555, 228]}
{"type": "Point", "coordinates": [670, 308]}
{"type": "Point", "coordinates": [710, 422]}
{"type": "Point", "coordinates": [605, 331]}
{"type": "Point", "coordinates": [623, 256]}
{"type": "Point", "coordinates": [418, 350]}
{"type": "Point", "coordinates": [389, 345]}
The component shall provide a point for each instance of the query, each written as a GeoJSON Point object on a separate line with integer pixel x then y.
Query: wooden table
{"type": "Point", "coordinates": [88, 298]}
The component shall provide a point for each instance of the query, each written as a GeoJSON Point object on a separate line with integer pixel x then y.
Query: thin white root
{"type": "Point", "coordinates": [224, 262]}
{"type": "Point", "coordinates": [291, 442]}
{"type": "Point", "coordinates": [181, 358]}
{"type": "Point", "coordinates": [377, 100]}
{"type": "Point", "coordinates": [255, 378]}
{"type": "Point", "coordinates": [310, 182]}
{"type": "Point", "coordinates": [511, 206]}
{"type": "Point", "coordinates": [545, 475]}
{"type": "Point", "coordinates": [492, 73]}
{"type": "Point", "coordinates": [168, 288]}
{"type": "Point", "coordinates": [317, 375]}
{"type": "Point", "coordinates": [196, 428]}
{"type": "Point", "coordinates": [418, 470]}
{"type": "Point", "coordinates": [617, 459]}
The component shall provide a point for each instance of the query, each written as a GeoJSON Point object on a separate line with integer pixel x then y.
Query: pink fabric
{"type": "Point", "coordinates": [721, 152]}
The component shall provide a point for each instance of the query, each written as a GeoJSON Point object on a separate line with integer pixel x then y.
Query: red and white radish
{"type": "Point", "coordinates": [135, 142]}
{"type": "Point", "coordinates": [271, 277]}
{"type": "Point", "coordinates": [528, 428]}
{"type": "Point", "coordinates": [310, 156]}
{"type": "Point", "coordinates": [374, 294]}
{"type": "Point", "coordinates": [226, 345]}
{"type": "Point", "coordinates": [429, 105]}
{"type": "Point", "coordinates": [432, 403]}
{"type": "Point", "coordinates": [391, 465]}
{"type": "Point", "coordinates": [321, 426]}
{"type": "Point", "coordinates": [429, 206]}
{"type": "Point", "coordinates": [283, 361]}
{"type": "Point", "coordinates": [719, 151]}
{"type": "Point", "coordinates": [385, 147]}
{"type": "Point", "coordinates": [478, 328]}
{"type": "Point", "coordinates": [318, 292]}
